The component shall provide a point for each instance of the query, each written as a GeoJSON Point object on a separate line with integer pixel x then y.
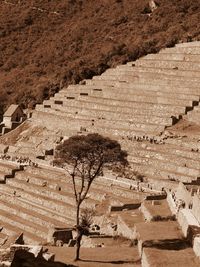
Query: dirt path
{"type": "Point", "coordinates": [99, 257]}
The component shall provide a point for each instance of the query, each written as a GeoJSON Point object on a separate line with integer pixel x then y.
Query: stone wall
{"type": "Point", "coordinates": [146, 213]}
{"type": "Point", "coordinates": [124, 230]}
{"type": "Point", "coordinates": [160, 184]}
{"type": "Point", "coordinates": [183, 194]}
{"type": "Point", "coordinates": [186, 219]}
{"type": "Point", "coordinates": [144, 259]}
{"type": "Point", "coordinates": [196, 246]}
{"type": "Point", "coordinates": [171, 203]}
{"type": "Point", "coordinates": [196, 207]}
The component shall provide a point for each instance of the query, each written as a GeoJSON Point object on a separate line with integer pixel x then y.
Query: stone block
{"type": "Point", "coordinates": [186, 219]}
{"type": "Point", "coordinates": [196, 246]}
{"type": "Point", "coordinates": [193, 66]}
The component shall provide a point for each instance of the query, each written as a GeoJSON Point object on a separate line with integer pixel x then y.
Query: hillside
{"type": "Point", "coordinates": [46, 44]}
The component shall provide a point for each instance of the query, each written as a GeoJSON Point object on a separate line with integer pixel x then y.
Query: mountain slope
{"type": "Point", "coordinates": [46, 44]}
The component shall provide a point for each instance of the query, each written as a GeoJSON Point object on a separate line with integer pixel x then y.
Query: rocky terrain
{"type": "Point", "coordinates": [45, 45]}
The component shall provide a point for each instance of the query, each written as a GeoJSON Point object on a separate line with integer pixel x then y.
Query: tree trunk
{"type": "Point", "coordinates": [78, 244]}
{"type": "Point", "coordinates": [79, 234]}
{"type": "Point", "coordinates": [77, 213]}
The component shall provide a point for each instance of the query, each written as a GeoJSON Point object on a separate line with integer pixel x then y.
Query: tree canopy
{"type": "Point", "coordinates": [86, 156]}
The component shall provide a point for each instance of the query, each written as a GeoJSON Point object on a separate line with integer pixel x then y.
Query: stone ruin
{"type": "Point", "coordinates": [140, 104]}
{"type": "Point", "coordinates": [12, 118]}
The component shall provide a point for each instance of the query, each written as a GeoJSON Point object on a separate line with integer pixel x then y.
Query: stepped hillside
{"type": "Point", "coordinates": [140, 104]}
{"type": "Point", "coordinates": [45, 45]}
{"type": "Point", "coordinates": [151, 107]}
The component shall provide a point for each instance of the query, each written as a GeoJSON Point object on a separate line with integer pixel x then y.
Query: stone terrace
{"type": "Point", "coordinates": [133, 101]}
{"type": "Point", "coordinates": [138, 104]}
{"type": "Point", "coordinates": [40, 199]}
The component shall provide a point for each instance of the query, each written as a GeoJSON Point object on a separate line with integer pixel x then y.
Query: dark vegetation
{"type": "Point", "coordinates": [41, 51]}
{"type": "Point", "coordinates": [85, 158]}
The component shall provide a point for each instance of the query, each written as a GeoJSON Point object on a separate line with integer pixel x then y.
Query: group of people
{"type": "Point", "coordinates": [24, 161]}
{"type": "Point", "coordinates": [152, 140]}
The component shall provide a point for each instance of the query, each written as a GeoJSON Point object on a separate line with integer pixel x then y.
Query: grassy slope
{"type": "Point", "coordinates": [41, 51]}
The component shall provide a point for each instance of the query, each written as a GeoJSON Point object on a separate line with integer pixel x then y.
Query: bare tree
{"type": "Point", "coordinates": [84, 158]}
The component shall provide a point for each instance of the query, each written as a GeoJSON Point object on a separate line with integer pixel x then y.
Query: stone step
{"type": "Point", "coordinates": [23, 224]}
{"type": "Point", "coordinates": [35, 139]}
{"type": "Point", "coordinates": [169, 156]}
{"type": "Point", "coordinates": [147, 76]}
{"type": "Point", "coordinates": [28, 144]}
{"type": "Point", "coordinates": [193, 117]}
{"type": "Point", "coordinates": [7, 170]}
{"type": "Point", "coordinates": [189, 145]}
{"type": "Point", "coordinates": [112, 131]}
{"type": "Point", "coordinates": [29, 214]}
{"type": "Point", "coordinates": [92, 126]}
{"type": "Point", "coordinates": [101, 103]}
{"type": "Point", "coordinates": [50, 119]}
{"type": "Point", "coordinates": [37, 179]}
{"type": "Point", "coordinates": [99, 186]}
{"type": "Point", "coordinates": [36, 151]}
{"type": "Point", "coordinates": [170, 257]}
{"type": "Point", "coordinates": [53, 173]}
{"type": "Point", "coordinates": [165, 165]}
{"type": "Point", "coordinates": [186, 50]}
{"type": "Point", "coordinates": [130, 63]}
{"type": "Point", "coordinates": [119, 92]}
{"type": "Point", "coordinates": [153, 173]}
{"type": "Point", "coordinates": [144, 98]}
{"type": "Point", "coordinates": [96, 185]}
{"type": "Point", "coordinates": [95, 114]}
{"type": "Point", "coordinates": [39, 199]}
{"type": "Point", "coordinates": [35, 147]}
{"type": "Point", "coordinates": [173, 146]}
{"type": "Point", "coordinates": [146, 86]}
{"type": "Point", "coordinates": [53, 216]}
{"type": "Point", "coordinates": [73, 107]}
{"type": "Point", "coordinates": [29, 238]}
{"type": "Point", "coordinates": [8, 166]}
{"type": "Point", "coordinates": [166, 86]}
{"type": "Point", "coordinates": [65, 186]}
{"type": "Point", "coordinates": [150, 210]}
{"type": "Point", "coordinates": [43, 118]}
{"type": "Point", "coordinates": [196, 109]}
{"type": "Point", "coordinates": [64, 197]}
{"type": "Point", "coordinates": [30, 155]}
{"type": "Point", "coordinates": [3, 176]}
{"type": "Point", "coordinates": [20, 220]}
{"type": "Point", "coordinates": [12, 240]}
{"type": "Point", "coordinates": [3, 238]}
{"type": "Point", "coordinates": [149, 71]}
{"type": "Point", "coordinates": [189, 44]}
{"type": "Point", "coordinates": [135, 101]}
{"type": "Point", "coordinates": [170, 64]}
{"type": "Point", "coordinates": [149, 231]}
{"type": "Point", "coordinates": [125, 127]}
{"type": "Point", "coordinates": [174, 56]}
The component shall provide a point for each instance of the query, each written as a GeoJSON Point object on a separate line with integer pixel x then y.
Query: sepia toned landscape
{"type": "Point", "coordinates": [99, 133]}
